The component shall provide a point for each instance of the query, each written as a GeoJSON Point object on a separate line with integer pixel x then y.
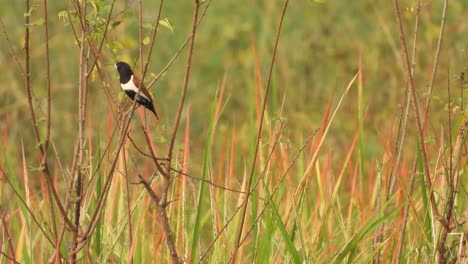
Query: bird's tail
{"type": "Point", "coordinates": [154, 112]}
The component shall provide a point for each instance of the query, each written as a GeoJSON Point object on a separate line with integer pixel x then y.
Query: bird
{"type": "Point", "coordinates": [131, 85]}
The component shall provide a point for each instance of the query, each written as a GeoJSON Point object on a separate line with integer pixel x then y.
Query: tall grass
{"type": "Point", "coordinates": [301, 132]}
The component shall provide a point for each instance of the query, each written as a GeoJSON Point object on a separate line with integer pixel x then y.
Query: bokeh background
{"type": "Point", "coordinates": [318, 54]}
{"type": "Point", "coordinates": [322, 45]}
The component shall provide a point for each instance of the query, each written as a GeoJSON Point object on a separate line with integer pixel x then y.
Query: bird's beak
{"type": "Point", "coordinates": [115, 65]}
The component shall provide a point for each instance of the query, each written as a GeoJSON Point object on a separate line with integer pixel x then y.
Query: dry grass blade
{"type": "Point", "coordinates": [306, 178]}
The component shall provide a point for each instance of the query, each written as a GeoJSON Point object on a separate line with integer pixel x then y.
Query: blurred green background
{"type": "Point", "coordinates": [318, 55]}
{"type": "Point", "coordinates": [322, 45]}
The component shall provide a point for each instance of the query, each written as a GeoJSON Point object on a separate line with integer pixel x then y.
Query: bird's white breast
{"type": "Point", "coordinates": [130, 85]}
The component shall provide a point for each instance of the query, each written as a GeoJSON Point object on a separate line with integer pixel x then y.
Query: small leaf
{"type": "Point", "coordinates": [94, 74]}
{"type": "Point", "coordinates": [40, 168]}
{"type": "Point", "coordinates": [38, 22]}
{"type": "Point", "coordinates": [30, 10]}
{"type": "Point", "coordinates": [148, 26]}
{"type": "Point", "coordinates": [115, 23]}
{"type": "Point", "coordinates": [146, 41]}
{"type": "Point", "coordinates": [160, 139]}
{"type": "Point", "coordinates": [63, 15]}
{"type": "Point", "coordinates": [94, 5]}
{"type": "Point", "coordinates": [166, 23]}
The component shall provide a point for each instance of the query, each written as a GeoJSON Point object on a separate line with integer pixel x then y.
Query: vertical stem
{"type": "Point", "coordinates": [259, 135]}
{"type": "Point", "coordinates": [27, 79]}
{"type": "Point", "coordinates": [129, 210]}
{"type": "Point", "coordinates": [11, 250]}
{"type": "Point", "coordinates": [436, 60]}
{"type": "Point", "coordinates": [46, 144]}
{"type": "Point", "coordinates": [46, 31]}
{"type": "Point", "coordinates": [427, 105]}
{"type": "Point", "coordinates": [82, 89]}
{"type": "Point", "coordinates": [414, 100]}
{"type": "Point", "coordinates": [80, 156]}
{"type": "Point", "coordinates": [140, 34]}
{"type": "Point", "coordinates": [450, 183]}
{"type": "Point", "coordinates": [462, 82]}
{"type": "Point", "coordinates": [398, 148]}
{"type": "Point", "coordinates": [164, 220]}
{"type": "Point", "coordinates": [32, 115]}
{"type": "Point", "coordinates": [182, 99]}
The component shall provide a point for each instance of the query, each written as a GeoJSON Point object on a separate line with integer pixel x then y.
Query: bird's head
{"type": "Point", "coordinates": [124, 69]}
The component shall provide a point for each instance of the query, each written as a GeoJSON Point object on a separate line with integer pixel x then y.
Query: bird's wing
{"type": "Point", "coordinates": [141, 86]}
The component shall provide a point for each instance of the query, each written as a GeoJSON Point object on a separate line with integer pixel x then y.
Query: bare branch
{"type": "Point", "coordinates": [414, 99]}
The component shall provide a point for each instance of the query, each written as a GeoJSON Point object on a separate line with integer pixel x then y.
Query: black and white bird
{"type": "Point", "coordinates": [131, 85]}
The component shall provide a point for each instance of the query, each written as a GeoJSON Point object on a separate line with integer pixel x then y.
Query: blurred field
{"type": "Point", "coordinates": [322, 47]}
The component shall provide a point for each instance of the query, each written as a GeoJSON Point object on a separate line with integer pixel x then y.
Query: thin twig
{"type": "Point", "coordinates": [82, 86]}
{"type": "Point", "coordinates": [436, 60]}
{"type": "Point", "coordinates": [176, 55]}
{"type": "Point", "coordinates": [164, 220]}
{"type": "Point", "coordinates": [49, 119]}
{"type": "Point", "coordinates": [129, 211]}
{"type": "Point", "coordinates": [414, 99]}
{"type": "Point", "coordinates": [401, 239]}
{"type": "Point", "coordinates": [141, 151]}
{"type": "Point", "coordinates": [207, 181]}
{"type": "Point", "coordinates": [259, 134]}
{"type": "Point", "coordinates": [400, 143]}
{"type": "Point", "coordinates": [8, 237]}
{"type": "Point", "coordinates": [46, 33]}
{"type": "Point", "coordinates": [9, 258]}
{"type": "Point", "coordinates": [450, 178]}
{"type": "Point", "coordinates": [106, 29]}
{"type": "Point", "coordinates": [144, 70]}
{"type": "Point", "coordinates": [162, 202]}
{"type": "Point", "coordinates": [32, 115]}
{"type": "Point", "coordinates": [12, 50]}
{"type": "Point", "coordinates": [181, 172]}
{"type": "Point", "coordinates": [267, 202]}
{"type": "Point", "coordinates": [184, 88]}
{"type": "Point", "coordinates": [203, 256]}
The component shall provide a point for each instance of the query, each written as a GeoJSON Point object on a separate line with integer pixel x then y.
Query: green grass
{"type": "Point", "coordinates": [338, 79]}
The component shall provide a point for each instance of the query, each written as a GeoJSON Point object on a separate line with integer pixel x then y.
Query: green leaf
{"type": "Point", "coordinates": [296, 257]}
{"type": "Point", "coordinates": [147, 26]}
{"type": "Point", "coordinates": [115, 23]}
{"type": "Point", "coordinates": [146, 41]}
{"type": "Point", "coordinates": [38, 22]}
{"type": "Point", "coordinates": [200, 213]}
{"type": "Point", "coordinates": [63, 15]}
{"type": "Point", "coordinates": [371, 225]}
{"type": "Point", "coordinates": [167, 24]}
{"type": "Point", "coordinates": [31, 9]}
{"type": "Point", "coordinates": [40, 168]}
{"type": "Point", "coordinates": [160, 139]}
